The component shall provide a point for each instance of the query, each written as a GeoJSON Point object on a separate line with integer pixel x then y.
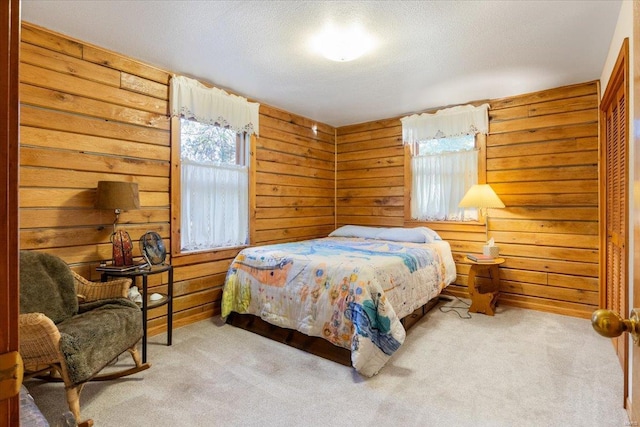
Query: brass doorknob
{"type": "Point", "coordinates": [610, 324]}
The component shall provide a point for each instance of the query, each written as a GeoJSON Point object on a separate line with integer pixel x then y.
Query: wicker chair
{"type": "Point", "coordinates": [72, 328]}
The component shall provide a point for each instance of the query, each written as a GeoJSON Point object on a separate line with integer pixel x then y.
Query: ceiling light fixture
{"type": "Point", "coordinates": [343, 44]}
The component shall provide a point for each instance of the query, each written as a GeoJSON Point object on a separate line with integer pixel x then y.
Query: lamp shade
{"type": "Point", "coordinates": [481, 196]}
{"type": "Point", "coordinates": [117, 195]}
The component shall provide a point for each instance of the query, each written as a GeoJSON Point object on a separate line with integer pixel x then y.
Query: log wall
{"type": "Point", "coordinates": [88, 114]}
{"type": "Point", "coordinates": [541, 159]}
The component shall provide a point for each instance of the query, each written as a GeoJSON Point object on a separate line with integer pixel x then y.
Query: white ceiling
{"type": "Point", "coordinates": [429, 53]}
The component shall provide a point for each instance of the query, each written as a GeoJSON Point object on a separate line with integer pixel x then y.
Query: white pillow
{"type": "Point", "coordinates": [416, 235]}
{"type": "Point", "coordinates": [356, 231]}
{"type": "Point", "coordinates": [394, 234]}
{"type": "Point", "coordinates": [429, 234]}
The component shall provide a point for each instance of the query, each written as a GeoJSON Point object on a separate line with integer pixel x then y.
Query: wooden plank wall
{"type": "Point", "coordinates": [88, 114]}
{"type": "Point", "coordinates": [295, 178]}
{"type": "Point", "coordinates": [542, 160]}
{"type": "Point", "coordinates": [370, 174]}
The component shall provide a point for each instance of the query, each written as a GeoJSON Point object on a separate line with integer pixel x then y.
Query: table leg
{"type": "Point", "coordinates": [483, 302]}
{"type": "Point", "coordinates": [144, 318]}
{"type": "Point", "coordinates": [494, 271]}
{"type": "Point", "coordinates": [170, 307]}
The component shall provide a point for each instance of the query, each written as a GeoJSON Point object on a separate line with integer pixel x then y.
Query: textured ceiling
{"type": "Point", "coordinates": [428, 53]}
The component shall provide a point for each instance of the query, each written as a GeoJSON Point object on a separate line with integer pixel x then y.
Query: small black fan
{"type": "Point", "coordinates": [152, 248]}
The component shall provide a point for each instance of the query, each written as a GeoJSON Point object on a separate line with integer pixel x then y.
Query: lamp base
{"type": "Point", "coordinates": [122, 248]}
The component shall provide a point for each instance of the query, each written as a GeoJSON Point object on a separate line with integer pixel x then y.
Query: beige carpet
{"type": "Point", "coordinates": [518, 368]}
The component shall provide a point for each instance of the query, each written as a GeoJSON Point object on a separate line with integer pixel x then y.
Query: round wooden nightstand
{"type": "Point", "coordinates": [484, 298]}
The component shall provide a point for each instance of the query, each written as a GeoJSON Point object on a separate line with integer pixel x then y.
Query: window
{"type": "Point", "coordinates": [444, 160]}
{"type": "Point", "coordinates": [214, 187]}
{"type": "Point", "coordinates": [211, 192]}
{"type": "Point", "coordinates": [442, 170]}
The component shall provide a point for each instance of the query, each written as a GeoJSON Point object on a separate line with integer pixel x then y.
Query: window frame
{"type": "Point", "coordinates": [481, 146]}
{"type": "Point", "coordinates": [176, 197]}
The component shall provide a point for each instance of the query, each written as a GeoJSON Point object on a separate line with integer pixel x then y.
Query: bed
{"type": "Point", "coordinates": [351, 288]}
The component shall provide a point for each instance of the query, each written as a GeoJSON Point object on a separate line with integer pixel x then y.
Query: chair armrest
{"type": "Point", "coordinates": [92, 291]}
{"type": "Point", "coordinates": [39, 339]}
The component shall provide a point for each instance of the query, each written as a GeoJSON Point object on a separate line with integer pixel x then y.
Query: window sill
{"type": "Point", "coordinates": [208, 255]}
{"type": "Point", "coordinates": [418, 223]}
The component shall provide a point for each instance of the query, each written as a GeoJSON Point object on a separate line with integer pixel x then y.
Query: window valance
{"type": "Point", "coordinates": [446, 123]}
{"type": "Point", "coordinates": [191, 99]}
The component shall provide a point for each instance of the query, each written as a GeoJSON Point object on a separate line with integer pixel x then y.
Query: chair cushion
{"type": "Point", "coordinates": [103, 330]}
{"type": "Point", "coordinates": [46, 286]}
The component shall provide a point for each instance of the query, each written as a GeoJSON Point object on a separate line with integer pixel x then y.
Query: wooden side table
{"type": "Point", "coordinates": [146, 302]}
{"type": "Point", "coordinates": [484, 299]}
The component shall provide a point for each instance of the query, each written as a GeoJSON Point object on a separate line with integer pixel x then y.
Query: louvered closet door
{"type": "Point", "coordinates": [616, 209]}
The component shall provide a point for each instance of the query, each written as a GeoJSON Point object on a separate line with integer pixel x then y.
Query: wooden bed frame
{"type": "Point", "coordinates": [314, 345]}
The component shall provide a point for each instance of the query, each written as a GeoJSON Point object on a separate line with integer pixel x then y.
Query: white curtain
{"type": "Point", "coordinates": [446, 123]}
{"type": "Point", "coordinates": [214, 197]}
{"type": "Point", "coordinates": [193, 100]}
{"type": "Point", "coordinates": [206, 187]}
{"type": "Point", "coordinates": [439, 183]}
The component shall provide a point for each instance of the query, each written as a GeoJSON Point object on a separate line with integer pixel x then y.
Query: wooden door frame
{"type": "Point", "coordinates": [619, 78]}
{"type": "Point", "coordinates": [619, 75]}
{"type": "Point", "coordinates": [9, 113]}
{"type": "Point", "coordinates": [633, 403]}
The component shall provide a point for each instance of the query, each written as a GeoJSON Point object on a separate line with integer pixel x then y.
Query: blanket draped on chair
{"type": "Point", "coordinates": [90, 333]}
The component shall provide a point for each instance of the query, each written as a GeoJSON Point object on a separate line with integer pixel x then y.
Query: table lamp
{"type": "Point", "coordinates": [481, 196]}
{"type": "Point", "coordinates": [118, 196]}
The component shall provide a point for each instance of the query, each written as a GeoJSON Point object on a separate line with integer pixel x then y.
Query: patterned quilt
{"type": "Point", "coordinates": [350, 291]}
